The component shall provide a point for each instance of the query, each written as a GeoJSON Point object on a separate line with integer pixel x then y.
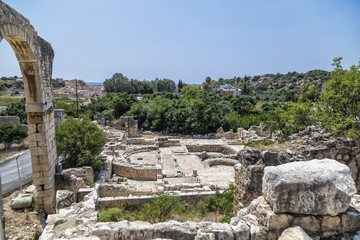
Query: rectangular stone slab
{"type": "Point", "coordinates": [317, 187]}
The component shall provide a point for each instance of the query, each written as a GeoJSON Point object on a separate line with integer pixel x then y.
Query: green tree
{"type": "Point", "coordinates": [180, 84]}
{"type": "Point", "coordinates": [75, 138]}
{"type": "Point", "coordinates": [339, 104]}
{"type": "Point", "coordinates": [308, 92]}
{"type": "Point", "coordinates": [243, 105]}
{"type": "Point", "coordinates": [164, 85]}
{"type": "Point", "coordinates": [245, 86]}
{"type": "Point", "coordinates": [122, 103]}
{"type": "Point", "coordinates": [290, 119]}
{"type": "Point", "coordinates": [91, 160]}
{"type": "Point", "coordinates": [16, 109]}
{"type": "Point", "coordinates": [206, 84]}
{"type": "Point", "coordinates": [10, 134]}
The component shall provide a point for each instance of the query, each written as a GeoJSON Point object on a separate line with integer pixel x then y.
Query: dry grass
{"type": "Point", "coordinates": [5, 99]}
{"type": "Point", "coordinates": [21, 224]}
{"type": "Point", "coordinates": [276, 146]}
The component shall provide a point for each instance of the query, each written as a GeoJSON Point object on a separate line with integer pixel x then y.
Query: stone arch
{"type": "Point", "coordinates": [35, 57]}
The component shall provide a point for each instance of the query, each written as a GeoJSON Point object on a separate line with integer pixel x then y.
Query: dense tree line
{"type": "Point", "coordinates": [195, 109]}
{"type": "Point", "coordinates": [121, 84]}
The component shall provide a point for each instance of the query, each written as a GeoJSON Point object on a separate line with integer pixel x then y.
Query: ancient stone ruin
{"type": "Point", "coordinates": [277, 196]}
{"type": "Point", "coordinates": [35, 57]}
{"type": "Point", "coordinates": [130, 125]}
{"type": "Point", "coordinates": [262, 219]}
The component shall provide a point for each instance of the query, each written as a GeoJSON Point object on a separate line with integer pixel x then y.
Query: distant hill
{"type": "Point", "coordinates": [276, 86]}
{"type": "Point", "coordinates": [271, 85]}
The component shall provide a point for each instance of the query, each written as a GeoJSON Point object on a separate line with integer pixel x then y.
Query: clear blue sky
{"type": "Point", "coordinates": [190, 39]}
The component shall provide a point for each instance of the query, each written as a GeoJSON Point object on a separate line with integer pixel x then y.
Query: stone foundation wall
{"type": "Point", "coordinates": [166, 142]}
{"type": "Point", "coordinates": [248, 184]}
{"type": "Point", "coordinates": [130, 125]}
{"type": "Point", "coordinates": [83, 172]}
{"type": "Point", "coordinates": [140, 172]}
{"type": "Point", "coordinates": [211, 148]}
{"type": "Point", "coordinates": [140, 141]}
{"type": "Point", "coordinates": [220, 161]}
{"type": "Point", "coordinates": [348, 155]}
{"type": "Point", "coordinates": [134, 150]}
{"type": "Point", "coordinates": [270, 225]}
{"type": "Point", "coordinates": [248, 174]}
{"type": "Point", "coordinates": [117, 190]}
{"type": "Point", "coordinates": [69, 182]}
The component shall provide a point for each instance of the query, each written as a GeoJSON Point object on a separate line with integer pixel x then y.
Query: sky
{"type": "Point", "coordinates": [190, 39]}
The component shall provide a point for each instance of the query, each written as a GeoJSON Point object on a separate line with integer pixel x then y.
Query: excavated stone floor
{"type": "Point", "coordinates": [173, 156]}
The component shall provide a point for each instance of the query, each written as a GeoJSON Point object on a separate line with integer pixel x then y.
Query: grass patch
{"type": "Point", "coordinates": [5, 99]}
{"type": "Point", "coordinates": [218, 208]}
{"type": "Point", "coordinates": [257, 143]}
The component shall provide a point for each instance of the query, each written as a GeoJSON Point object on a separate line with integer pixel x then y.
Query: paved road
{"type": "Point", "coordinates": [9, 173]}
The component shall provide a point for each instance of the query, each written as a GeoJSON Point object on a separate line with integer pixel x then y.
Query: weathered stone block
{"type": "Point", "coordinates": [294, 233]}
{"type": "Point", "coordinates": [350, 221]}
{"type": "Point", "coordinates": [270, 158]}
{"type": "Point", "coordinates": [330, 223]}
{"type": "Point", "coordinates": [318, 187]}
{"type": "Point", "coordinates": [240, 229]}
{"type": "Point", "coordinates": [308, 223]}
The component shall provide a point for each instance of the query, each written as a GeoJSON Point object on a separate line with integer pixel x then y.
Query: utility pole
{"type": "Point", "coordinates": [77, 98]}
{"type": "Point", "coordinates": [18, 168]}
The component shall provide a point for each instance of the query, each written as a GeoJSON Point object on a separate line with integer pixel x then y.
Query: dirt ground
{"type": "Point", "coordinates": [22, 224]}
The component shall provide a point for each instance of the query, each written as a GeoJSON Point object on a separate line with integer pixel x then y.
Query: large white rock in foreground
{"type": "Point", "coordinates": [317, 187]}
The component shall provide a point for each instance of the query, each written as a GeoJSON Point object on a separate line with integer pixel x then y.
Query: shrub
{"type": "Point", "coordinates": [110, 215]}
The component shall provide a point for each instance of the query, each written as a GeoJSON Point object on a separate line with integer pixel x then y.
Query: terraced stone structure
{"type": "Point", "coordinates": [35, 57]}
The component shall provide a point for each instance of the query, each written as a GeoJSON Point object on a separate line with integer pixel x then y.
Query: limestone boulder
{"type": "Point", "coordinates": [63, 198]}
{"type": "Point", "coordinates": [294, 233]}
{"type": "Point", "coordinates": [317, 187]}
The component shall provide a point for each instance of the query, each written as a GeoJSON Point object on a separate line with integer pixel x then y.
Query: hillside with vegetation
{"type": "Point", "coordinates": [272, 87]}
{"type": "Point", "coordinates": [287, 103]}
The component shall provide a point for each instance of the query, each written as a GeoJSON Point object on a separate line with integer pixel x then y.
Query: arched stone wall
{"type": "Point", "coordinates": [35, 57]}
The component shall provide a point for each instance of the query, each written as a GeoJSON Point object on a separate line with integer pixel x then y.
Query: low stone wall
{"type": "Point", "coordinates": [118, 190]}
{"type": "Point", "coordinates": [179, 186]}
{"type": "Point", "coordinates": [220, 161]}
{"type": "Point", "coordinates": [134, 150]}
{"type": "Point", "coordinates": [140, 172]}
{"type": "Point", "coordinates": [137, 200]}
{"type": "Point", "coordinates": [70, 183]}
{"type": "Point", "coordinates": [248, 184]}
{"type": "Point", "coordinates": [13, 120]}
{"type": "Point", "coordinates": [248, 174]}
{"type": "Point", "coordinates": [140, 141]}
{"type": "Point", "coordinates": [166, 142]}
{"type": "Point", "coordinates": [348, 155]}
{"type": "Point", "coordinates": [211, 148]}
{"type": "Point", "coordinates": [206, 155]}
{"type": "Point", "coordinates": [83, 172]}
{"type": "Point", "coordinates": [264, 222]}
